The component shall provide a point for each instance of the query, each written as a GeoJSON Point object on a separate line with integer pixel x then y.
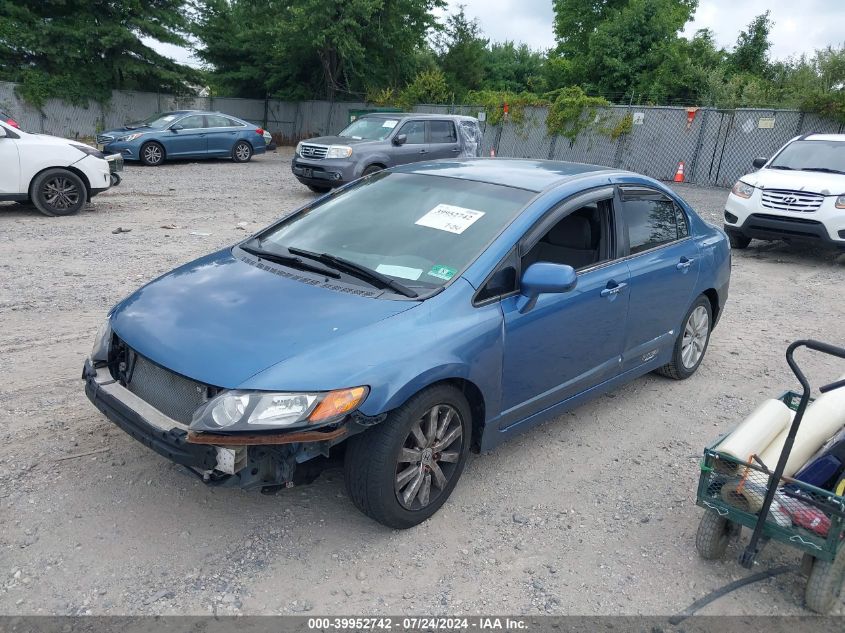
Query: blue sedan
{"type": "Point", "coordinates": [185, 134]}
{"type": "Point", "coordinates": [408, 318]}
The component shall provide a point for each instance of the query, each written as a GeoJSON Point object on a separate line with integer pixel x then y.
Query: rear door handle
{"type": "Point", "coordinates": [612, 291]}
{"type": "Point", "coordinates": [456, 150]}
{"type": "Point", "coordinates": [685, 263]}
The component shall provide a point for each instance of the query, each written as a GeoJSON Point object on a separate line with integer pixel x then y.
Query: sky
{"type": "Point", "coordinates": [801, 26]}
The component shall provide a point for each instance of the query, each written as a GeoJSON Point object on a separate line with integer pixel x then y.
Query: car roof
{"type": "Point", "coordinates": [824, 137]}
{"type": "Point", "coordinates": [520, 173]}
{"type": "Point", "coordinates": [415, 115]}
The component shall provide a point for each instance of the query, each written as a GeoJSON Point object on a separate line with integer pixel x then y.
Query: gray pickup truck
{"type": "Point", "coordinates": [377, 141]}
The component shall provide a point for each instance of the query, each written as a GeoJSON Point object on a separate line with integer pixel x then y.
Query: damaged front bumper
{"type": "Point", "coordinates": [242, 460]}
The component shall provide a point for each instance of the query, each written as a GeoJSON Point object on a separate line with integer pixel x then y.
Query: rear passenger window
{"type": "Point", "coordinates": [216, 120]}
{"type": "Point", "coordinates": [194, 122]}
{"type": "Point", "coordinates": [443, 132]}
{"type": "Point", "coordinates": [652, 220]}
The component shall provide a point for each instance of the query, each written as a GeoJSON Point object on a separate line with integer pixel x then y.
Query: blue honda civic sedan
{"type": "Point", "coordinates": [408, 318]}
{"type": "Point", "coordinates": [185, 134]}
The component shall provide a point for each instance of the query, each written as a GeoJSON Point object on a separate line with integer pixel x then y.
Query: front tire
{"type": "Point", "coordinates": [738, 241]}
{"type": "Point", "coordinates": [713, 536]}
{"type": "Point", "coordinates": [692, 341]}
{"type": "Point", "coordinates": [371, 170]}
{"type": "Point", "coordinates": [58, 192]}
{"type": "Point", "coordinates": [825, 583]}
{"type": "Point", "coordinates": [152, 154]}
{"type": "Point", "coordinates": [242, 152]}
{"type": "Point", "coordinates": [401, 471]}
{"type": "Point", "coordinates": [319, 190]}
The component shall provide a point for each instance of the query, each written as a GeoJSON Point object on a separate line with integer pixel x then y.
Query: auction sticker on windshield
{"type": "Point", "coordinates": [446, 217]}
{"type": "Point", "coordinates": [389, 124]}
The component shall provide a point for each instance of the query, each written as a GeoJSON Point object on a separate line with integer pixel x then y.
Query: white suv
{"type": "Point", "coordinates": [799, 194]}
{"type": "Point", "coordinates": [57, 175]}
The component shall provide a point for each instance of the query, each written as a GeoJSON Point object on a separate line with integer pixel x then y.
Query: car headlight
{"type": "Point", "coordinates": [87, 149]}
{"type": "Point", "coordinates": [840, 202]}
{"type": "Point", "coordinates": [742, 189]}
{"type": "Point", "coordinates": [102, 343]}
{"type": "Point", "coordinates": [339, 151]}
{"type": "Point", "coordinates": [299, 149]}
{"type": "Point", "coordinates": [131, 137]}
{"type": "Point", "coordinates": [262, 411]}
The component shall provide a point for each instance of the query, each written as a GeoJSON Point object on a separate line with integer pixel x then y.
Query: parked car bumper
{"type": "Point", "coordinates": [750, 218]}
{"type": "Point", "coordinates": [324, 173]}
{"type": "Point", "coordinates": [129, 151]}
{"type": "Point", "coordinates": [97, 172]}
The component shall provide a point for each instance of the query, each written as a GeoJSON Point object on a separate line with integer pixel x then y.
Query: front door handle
{"type": "Point", "coordinates": [685, 263]}
{"type": "Point", "coordinates": [423, 151]}
{"type": "Point", "coordinates": [613, 290]}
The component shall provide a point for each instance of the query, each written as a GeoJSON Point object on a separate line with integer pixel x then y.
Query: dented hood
{"type": "Point", "coordinates": [220, 320]}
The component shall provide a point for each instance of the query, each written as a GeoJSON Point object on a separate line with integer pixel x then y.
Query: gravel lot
{"type": "Point", "coordinates": [591, 514]}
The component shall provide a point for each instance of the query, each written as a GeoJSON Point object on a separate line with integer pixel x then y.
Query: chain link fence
{"type": "Point", "coordinates": [716, 146]}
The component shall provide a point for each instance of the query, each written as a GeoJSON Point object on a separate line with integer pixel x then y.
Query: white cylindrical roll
{"type": "Point", "coordinates": [757, 431]}
{"type": "Point", "coordinates": [823, 419]}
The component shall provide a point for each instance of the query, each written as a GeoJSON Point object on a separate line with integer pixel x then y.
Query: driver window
{"type": "Point", "coordinates": [581, 239]}
{"type": "Point", "coordinates": [415, 131]}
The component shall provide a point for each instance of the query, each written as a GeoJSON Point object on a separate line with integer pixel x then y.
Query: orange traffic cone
{"type": "Point", "coordinates": [492, 152]}
{"type": "Point", "coordinates": [679, 175]}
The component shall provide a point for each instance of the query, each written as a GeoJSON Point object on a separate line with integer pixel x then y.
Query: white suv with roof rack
{"type": "Point", "coordinates": [798, 194]}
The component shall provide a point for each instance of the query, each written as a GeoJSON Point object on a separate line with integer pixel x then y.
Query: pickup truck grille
{"type": "Point", "coordinates": [313, 151]}
{"type": "Point", "coordinates": [174, 395]}
{"type": "Point", "coordinates": [784, 200]}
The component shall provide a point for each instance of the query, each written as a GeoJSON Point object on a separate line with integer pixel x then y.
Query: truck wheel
{"type": "Point", "coordinates": [692, 341]}
{"type": "Point", "coordinates": [825, 583]}
{"type": "Point", "coordinates": [317, 189]}
{"type": "Point", "coordinates": [152, 154]}
{"type": "Point", "coordinates": [738, 240]}
{"type": "Point", "coordinates": [58, 192]}
{"type": "Point", "coordinates": [401, 471]}
{"type": "Point", "coordinates": [242, 152]}
{"type": "Point", "coordinates": [371, 170]}
{"type": "Point", "coordinates": [714, 534]}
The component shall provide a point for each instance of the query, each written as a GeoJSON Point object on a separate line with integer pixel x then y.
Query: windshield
{"type": "Point", "coordinates": [158, 121]}
{"type": "Point", "coordinates": [812, 155]}
{"type": "Point", "coordinates": [419, 229]}
{"type": "Point", "coordinates": [370, 129]}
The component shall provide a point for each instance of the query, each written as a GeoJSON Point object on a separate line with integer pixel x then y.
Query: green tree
{"type": "Point", "coordinates": [514, 68]}
{"type": "Point", "coordinates": [313, 48]}
{"type": "Point", "coordinates": [77, 49]}
{"type": "Point", "coordinates": [462, 52]}
{"type": "Point", "coordinates": [751, 54]}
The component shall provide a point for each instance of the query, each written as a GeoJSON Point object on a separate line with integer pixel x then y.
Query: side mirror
{"type": "Point", "coordinates": [544, 278]}
{"type": "Point", "coordinates": [758, 162]}
{"type": "Point", "coordinates": [400, 139]}
{"type": "Point", "coordinates": [176, 127]}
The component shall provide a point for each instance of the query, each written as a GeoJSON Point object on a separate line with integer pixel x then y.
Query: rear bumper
{"type": "Point", "coordinates": [771, 227]}
{"type": "Point", "coordinates": [154, 430]}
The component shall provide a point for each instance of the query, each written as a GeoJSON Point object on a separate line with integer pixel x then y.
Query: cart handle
{"type": "Point", "coordinates": [834, 385]}
{"type": "Point", "coordinates": [825, 348]}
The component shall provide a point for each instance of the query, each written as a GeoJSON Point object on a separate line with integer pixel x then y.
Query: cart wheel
{"type": "Point", "coordinates": [115, 180]}
{"type": "Point", "coordinates": [825, 583]}
{"type": "Point", "coordinates": [714, 534]}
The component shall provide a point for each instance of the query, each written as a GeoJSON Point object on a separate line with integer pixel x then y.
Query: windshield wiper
{"type": "Point", "coordinates": [362, 272]}
{"type": "Point", "coordinates": [780, 167]}
{"type": "Point", "coordinates": [826, 170]}
{"type": "Point", "coordinates": [288, 260]}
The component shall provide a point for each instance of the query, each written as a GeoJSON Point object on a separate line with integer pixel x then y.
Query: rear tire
{"type": "Point", "coordinates": [713, 535]}
{"type": "Point", "coordinates": [738, 241]}
{"type": "Point", "coordinates": [417, 455]}
{"type": "Point", "coordinates": [691, 344]}
{"type": "Point", "coordinates": [242, 152]}
{"type": "Point", "coordinates": [58, 192]}
{"type": "Point", "coordinates": [152, 154]}
{"type": "Point", "coordinates": [825, 583]}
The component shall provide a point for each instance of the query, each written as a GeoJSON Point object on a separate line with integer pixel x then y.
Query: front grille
{"type": "Point", "coordinates": [313, 151]}
{"type": "Point", "coordinates": [104, 139]}
{"type": "Point", "coordinates": [175, 396]}
{"type": "Point", "coordinates": [784, 200]}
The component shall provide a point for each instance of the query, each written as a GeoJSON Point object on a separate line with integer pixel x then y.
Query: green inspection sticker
{"type": "Point", "coordinates": [442, 272]}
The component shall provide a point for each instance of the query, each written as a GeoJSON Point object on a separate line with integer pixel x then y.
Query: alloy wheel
{"type": "Point", "coordinates": [429, 457]}
{"type": "Point", "coordinates": [60, 193]}
{"type": "Point", "coordinates": [695, 337]}
{"type": "Point", "coordinates": [242, 151]}
{"type": "Point", "coordinates": [152, 154]}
